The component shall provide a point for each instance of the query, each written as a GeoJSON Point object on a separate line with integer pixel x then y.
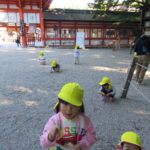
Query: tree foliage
{"type": "Point", "coordinates": [136, 3]}
{"type": "Point", "coordinates": [106, 5]}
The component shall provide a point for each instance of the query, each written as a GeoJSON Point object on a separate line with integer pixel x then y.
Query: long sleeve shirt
{"type": "Point", "coordinates": [76, 53]}
{"type": "Point", "coordinates": [42, 59]}
{"type": "Point", "coordinates": [79, 130]}
{"type": "Point", "coordinates": [142, 42]}
{"type": "Point", "coordinates": [111, 90]}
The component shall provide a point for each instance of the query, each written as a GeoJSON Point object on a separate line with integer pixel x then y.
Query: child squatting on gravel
{"type": "Point", "coordinates": [130, 141]}
{"type": "Point", "coordinates": [55, 67]}
{"type": "Point", "coordinates": [42, 59]}
{"type": "Point", "coordinates": [69, 128]}
{"type": "Point", "coordinates": [107, 91]}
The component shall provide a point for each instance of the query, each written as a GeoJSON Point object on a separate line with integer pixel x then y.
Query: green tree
{"type": "Point", "coordinates": [104, 5]}
{"type": "Point", "coordinates": [107, 5]}
{"type": "Point", "coordinates": [141, 4]}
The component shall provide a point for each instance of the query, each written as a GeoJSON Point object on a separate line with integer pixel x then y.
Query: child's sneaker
{"type": "Point", "coordinates": [103, 98]}
{"type": "Point", "coordinates": [110, 99]}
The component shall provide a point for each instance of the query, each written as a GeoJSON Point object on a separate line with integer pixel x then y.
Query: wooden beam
{"type": "Point", "coordinates": [22, 3]}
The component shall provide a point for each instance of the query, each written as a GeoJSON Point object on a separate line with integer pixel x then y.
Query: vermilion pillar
{"type": "Point", "coordinates": [42, 26]}
{"type": "Point", "coordinates": [23, 36]}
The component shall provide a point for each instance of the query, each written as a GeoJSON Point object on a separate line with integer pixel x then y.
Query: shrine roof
{"type": "Point", "coordinates": [90, 15]}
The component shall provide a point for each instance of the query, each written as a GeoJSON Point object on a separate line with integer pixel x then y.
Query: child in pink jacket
{"type": "Point", "coordinates": [69, 128]}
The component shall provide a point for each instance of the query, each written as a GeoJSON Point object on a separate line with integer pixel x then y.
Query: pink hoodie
{"type": "Point", "coordinates": [82, 126]}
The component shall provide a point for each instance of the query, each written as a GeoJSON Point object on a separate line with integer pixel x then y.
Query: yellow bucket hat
{"type": "Point", "coordinates": [72, 93]}
{"type": "Point", "coordinates": [76, 46]}
{"type": "Point", "coordinates": [132, 138]}
{"type": "Point", "coordinates": [54, 63]}
{"type": "Point", "coordinates": [41, 54]}
{"type": "Point", "coordinates": [105, 80]}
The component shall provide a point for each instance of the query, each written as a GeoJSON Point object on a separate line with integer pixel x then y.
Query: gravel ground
{"type": "Point", "coordinates": [28, 93]}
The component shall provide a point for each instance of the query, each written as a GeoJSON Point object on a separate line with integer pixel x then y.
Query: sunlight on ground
{"type": "Point", "coordinates": [123, 63]}
{"type": "Point", "coordinates": [102, 56]}
{"type": "Point", "coordinates": [48, 51]}
{"type": "Point", "coordinates": [28, 49]}
{"type": "Point", "coordinates": [112, 56]}
{"type": "Point", "coordinates": [69, 53]}
{"type": "Point", "coordinates": [34, 59]}
{"type": "Point", "coordinates": [142, 112]}
{"type": "Point", "coordinates": [20, 89]}
{"type": "Point", "coordinates": [98, 56]}
{"type": "Point", "coordinates": [6, 102]}
{"type": "Point", "coordinates": [31, 103]}
{"type": "Point", "coordinates": [42, 91]}
{"type": "Point", "coordinates": [32, 52]}
{"type": "Point", "coordinates": [108, 69]}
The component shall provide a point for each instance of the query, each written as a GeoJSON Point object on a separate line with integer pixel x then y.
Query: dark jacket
{"type": "Point", "coordinates": [147, 43]}
{"type": "Point", "coordinates": [140, 43]}
{"type": "Point", "coordinates": [18, 40]}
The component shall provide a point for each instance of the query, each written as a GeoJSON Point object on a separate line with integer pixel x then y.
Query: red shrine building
{"type": "Point", "coordinates": [23, 18]}
{"type": "Point", "coordinates": [36, 25]}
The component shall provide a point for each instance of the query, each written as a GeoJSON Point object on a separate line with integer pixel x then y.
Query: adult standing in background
{"type": "Point", "coordinates": [117, 43]}
{"type": "Point", "coordinates": [18, 41]}
{"type": "Point", "coordinates": [142, 52]}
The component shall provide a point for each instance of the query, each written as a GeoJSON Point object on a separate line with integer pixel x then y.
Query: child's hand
{"type": "Point", "coordinates": [135, 54]}
{"type": "Point", "coordinates": [103, 94]}
{"type": "Point", "coordinates": [53, 133]}
{"type": "Point", "coordinates": [69, 144]}
{"type": "Point", "coordinates": [77, 147]}
{"type": "Point", "coordinates": [109, 94]}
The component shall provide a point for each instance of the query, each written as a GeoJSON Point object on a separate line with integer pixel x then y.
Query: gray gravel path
{"type": "Point", "coordinates": [28, 92]}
